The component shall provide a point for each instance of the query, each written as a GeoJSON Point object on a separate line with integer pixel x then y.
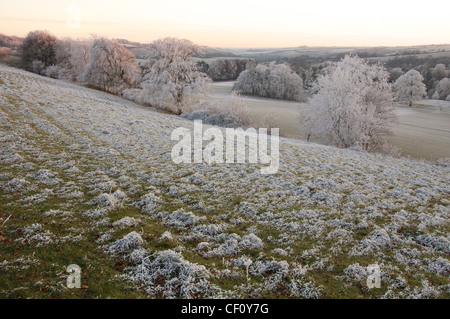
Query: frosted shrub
{"type": "Point", "coordinates": [356, 272]}
{"type": "Point", "coordinates": [251, 242]}
{"type": "Point", "coordinates": [126, 222]}
{"type": "Point", "coordinates": [107, 201]}
{"type": "Point", "coordinates": [301, 289]}
{"type": "Point", "coordinates": [95, 213]}
{"type": "Point", "coordinates": [230, 112]}
{"type": "Point", "coordinates": [180, 218]}
{"type": "Point", "coordinates": [440, 266]}
{"type": "Point", "coordinates": [148, 203]}
{"type": "Point", "coordinates": [128, 243]}
{"type": "Point", "coordinates": [268, 267]}
{"type": "Point", "coordinates": [377, 239]}
{"type": "Point", "coordinates": [35, 234]}
{"type": "Point", "coordinates": [439, 243]}
{"type": "Point", "coordinates": [166, 235]}
{"type": "Point", "coordinates": [210, 230]}
{"type": "Point", "coordinates": [14, 185]}
{"type": "Point", "coordinates": [167, 274]}
{"type": "Point", "coordinates": [46, 177]}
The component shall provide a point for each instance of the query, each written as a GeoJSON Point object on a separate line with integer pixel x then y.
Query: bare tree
{"type": "Point", "coordinates": [111, 67]}
{"type": "Point", "coordinates": [38, 51]}
{"type": "Point", "coordinates": [173, 81]}
{"type": "Point", "coordinates": [410, 87]}
{"type": "Point", "coordinates": [352, 107]}
{"type": "Point", "coordinates": [276, 81]}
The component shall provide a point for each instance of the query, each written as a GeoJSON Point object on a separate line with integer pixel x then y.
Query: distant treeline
{"type": "Point", "coordinates": [226, 69]}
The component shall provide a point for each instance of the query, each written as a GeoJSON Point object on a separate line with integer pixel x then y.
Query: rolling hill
{"type": "Point", "coordinates": [86, 178]}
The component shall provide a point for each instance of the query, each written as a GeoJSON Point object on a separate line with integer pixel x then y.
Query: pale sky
{"type": "Point", "coordinates": [237, 23]}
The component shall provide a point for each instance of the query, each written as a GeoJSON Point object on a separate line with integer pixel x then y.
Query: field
{"type": "Point", "coordinates": [421, 132]}
{"type": "Point", "coordinates": [86, 178]}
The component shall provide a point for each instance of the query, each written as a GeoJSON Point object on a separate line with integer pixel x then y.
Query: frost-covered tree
{"type": "Point", "coordinates": [173, 81]}
{"type": "Point", "coordinates": [410, 87]}
{"type": "Point", "coordinates": [276, 81]}
{"type": "Point", "coordinates": [439, 72]}
{"type": "Point", "coordinates": [38, 51]}
{"type": "Point", "coordinates": [443, 88]}
{"type": "Point", "coordinates": [72, 57]}
{"type": "Point", "coordinates": [395, 74]}
{"type": "Point", "coordinates": [228, 69]}
{"type": "Point", "coordinates": [352, 107]}
{"type": "Point", "coordinates": [5, 51]}
{"type": "Point", "coordinates": [111, 67]}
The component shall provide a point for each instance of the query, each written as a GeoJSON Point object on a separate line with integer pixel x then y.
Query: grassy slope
{"type": "Point", "coordinates": [324, 208]}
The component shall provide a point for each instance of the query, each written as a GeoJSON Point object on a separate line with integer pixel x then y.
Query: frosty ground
{"type": "Point", "coordinates": [86, 178]}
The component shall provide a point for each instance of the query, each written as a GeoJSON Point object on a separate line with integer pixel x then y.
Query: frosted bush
{"type": "Point", "coordinates": [126, 222]}
{"type": "Point", "coordinates": [438, 243]}
{"type": "Point", "coordinates": [251, 242]}
{"type": "Point", "coordinates": [107, 236]}
{"type": "Point", "coordinates": [440, 266]}
{"type": "Point", "coordinates": [35, 234]}
{"type": "Point", "coordinates": [46, 177]}
{"type": "Point", "coordinates": [180, 218]}
{"type": "Point", "coordinates": [106, 201]}
{"type": "Point", "coordinates": [301, 289]}
{"type": "Point", "coordinates": [210, 230]}
{"type": "Point", "coordinates": [128, 243]}
{"type": "Point", "coordinates": [202, 246]}
{"type": "Point", "coordinates": [166, 235]}
{"type": "Point", "coordinates": [356, 272]}
{"type": "Point", "coordinates": [14, 185]}
{"type": "Point", "coordinates": [231, 112]}
{"type": "Point", "coordinates": [377, 239]}
{"type": "Point", "coordinates": [339, 235]}
{"type": "Point", "coordinates": [242, 261]}
{"type": "Point", "coordinates": [279, 251]}
{"type": "Point", "coordinates": [229, 246]}
{"type": "Point", "coordinates": [169, 275]}
{"type": "Point", "coordinates": [148, 203]}
{"type": "Point", "coordinates": [268, 267]}
{"type": "Point", "coordinates": [95, 213]}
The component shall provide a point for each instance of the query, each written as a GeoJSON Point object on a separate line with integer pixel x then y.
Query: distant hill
{"type": "Point", "coordinates": [11, 42]}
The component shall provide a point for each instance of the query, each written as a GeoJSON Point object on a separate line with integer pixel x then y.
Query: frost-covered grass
{"type": "Point", "coordinates": [86, 178]}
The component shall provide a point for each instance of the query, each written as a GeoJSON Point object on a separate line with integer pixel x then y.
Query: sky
{"type": "Point", "coordinates": [237, 23]}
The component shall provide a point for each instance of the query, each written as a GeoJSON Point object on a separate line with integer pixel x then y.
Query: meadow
{"type": "Point", "coordinates": [86, 178]}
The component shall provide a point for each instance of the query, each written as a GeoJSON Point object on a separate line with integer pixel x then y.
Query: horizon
{"type": "Point", "coordinates": [237, 25]}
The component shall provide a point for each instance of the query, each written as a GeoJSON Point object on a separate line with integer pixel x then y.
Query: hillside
{"type": "Point", "coordinates": [86, 178]}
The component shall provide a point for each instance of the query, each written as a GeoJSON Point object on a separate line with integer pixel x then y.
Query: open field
{"type": "Point", "coordinates": [421, 132]}
{"type": "Point", "coordinates": [86, 178]}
